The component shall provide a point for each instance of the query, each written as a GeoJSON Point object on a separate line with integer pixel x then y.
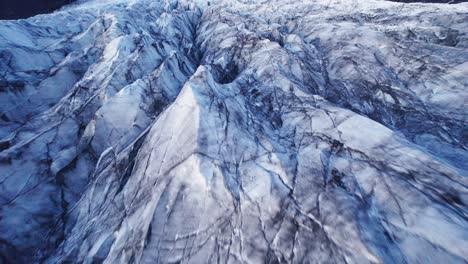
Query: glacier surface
{"type": "Point", "coordinates": [235, 131]}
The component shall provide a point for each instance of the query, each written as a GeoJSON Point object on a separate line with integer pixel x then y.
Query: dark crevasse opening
{"type": "Point", "coordinates": [17, 9]}
{"type": "Point", "coordinates": [227, 74]}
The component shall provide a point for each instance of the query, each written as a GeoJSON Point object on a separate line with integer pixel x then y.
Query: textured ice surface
{"type": "Point", "coordinates": [138, 131]}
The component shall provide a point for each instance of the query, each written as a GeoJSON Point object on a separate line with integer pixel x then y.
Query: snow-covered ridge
{"type": "Point", "coordinates": [141, 131]}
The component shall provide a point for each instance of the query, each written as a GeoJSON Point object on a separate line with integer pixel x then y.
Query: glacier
{"type": "Point", "coordinates": [235, 131]}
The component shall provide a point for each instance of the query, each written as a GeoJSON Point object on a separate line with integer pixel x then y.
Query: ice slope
{"type": "Point", "coordinates": [140, 131]}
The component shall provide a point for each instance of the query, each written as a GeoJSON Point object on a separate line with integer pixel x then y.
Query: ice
{"type": "Point", "coordinates": [140, 131]}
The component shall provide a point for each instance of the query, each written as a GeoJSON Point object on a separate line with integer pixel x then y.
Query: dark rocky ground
{"type": "Point", "coordinates": [15, 9]}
